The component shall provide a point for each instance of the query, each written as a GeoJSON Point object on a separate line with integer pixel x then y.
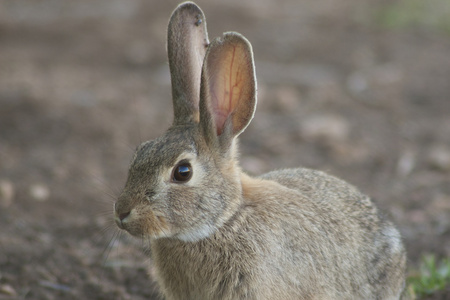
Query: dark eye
{"type": "Point", "coordinates": [182, 172]}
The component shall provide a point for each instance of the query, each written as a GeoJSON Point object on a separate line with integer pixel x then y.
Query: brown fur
{"type": "Point", "coordinates": [288, 234]}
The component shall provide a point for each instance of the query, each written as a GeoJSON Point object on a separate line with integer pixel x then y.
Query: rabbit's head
{"type": "Point", "coordinates": [186, 183]}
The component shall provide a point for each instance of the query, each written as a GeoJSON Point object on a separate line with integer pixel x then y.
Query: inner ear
{"type": "Point", "coordinates": [229, 79]}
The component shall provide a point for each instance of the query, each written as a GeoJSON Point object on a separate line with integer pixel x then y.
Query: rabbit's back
{"type": "Point", "coordinates": [346, 227]}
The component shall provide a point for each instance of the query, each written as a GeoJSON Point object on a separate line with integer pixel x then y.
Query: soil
{"type": "Point", "coordinates": [82, 83]}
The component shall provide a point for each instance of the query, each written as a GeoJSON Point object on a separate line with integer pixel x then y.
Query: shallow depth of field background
{"type": "Point", "coordinates": [360, 89]}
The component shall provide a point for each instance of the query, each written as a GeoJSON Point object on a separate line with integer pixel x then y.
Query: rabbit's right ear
{"type": "Point", "coordinates": [228, 88]}
{"type": "Point", "coordinates": [187, 41]}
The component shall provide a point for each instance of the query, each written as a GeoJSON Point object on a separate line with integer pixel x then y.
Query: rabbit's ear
{"type": "Point", "coordinates": [228, 91]}
{"type": "Point", "coordinates": [187, 40]}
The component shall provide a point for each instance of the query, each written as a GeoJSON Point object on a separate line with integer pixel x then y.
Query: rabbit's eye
{"type": "Point", "coordinates": [182, 172]}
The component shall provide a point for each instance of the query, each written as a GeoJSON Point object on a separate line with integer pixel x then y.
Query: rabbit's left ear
{"type": "Point", "coordinates": [228, 87]}
{"type": "Point", "coordinates": [187, 40]}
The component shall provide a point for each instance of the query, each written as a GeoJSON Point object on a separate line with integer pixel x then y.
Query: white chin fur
{"type": "Point", "coordinates": [197, 234]}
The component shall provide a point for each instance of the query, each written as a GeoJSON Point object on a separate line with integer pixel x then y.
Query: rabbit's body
{"type": "Point", "coordinates": [215, 232]}
{"type": "Point", "coordinates": [334, 254]}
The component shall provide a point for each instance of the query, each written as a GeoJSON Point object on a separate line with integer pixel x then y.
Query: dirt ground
{"type": "Point", "coordinates": [360, 89]}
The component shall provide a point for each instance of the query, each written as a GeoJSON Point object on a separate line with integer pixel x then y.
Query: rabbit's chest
{"type": "Point", "coordinates": [206, 272]}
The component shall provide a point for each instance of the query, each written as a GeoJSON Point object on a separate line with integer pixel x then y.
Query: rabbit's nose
{"type": "Point", "coordinates": [121, 211]}
{"type": "Point", "coordinates": [123, 215]}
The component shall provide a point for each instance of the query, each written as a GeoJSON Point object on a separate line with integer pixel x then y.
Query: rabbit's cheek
{"type": "Point", "coordinates": [160, 228]}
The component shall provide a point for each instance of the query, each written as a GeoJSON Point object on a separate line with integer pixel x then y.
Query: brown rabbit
{"type": "Point", "coordinates": [217, 233]}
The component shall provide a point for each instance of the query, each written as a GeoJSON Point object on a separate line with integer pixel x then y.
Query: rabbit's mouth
{"type": "Point", "coordinates": [143, 225]}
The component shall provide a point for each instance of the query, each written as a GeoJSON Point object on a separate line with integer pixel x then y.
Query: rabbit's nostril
{"type": "Point", "coordinates": [123, 215]}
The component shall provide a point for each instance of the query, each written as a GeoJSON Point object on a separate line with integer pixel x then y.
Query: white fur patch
{"type": "Point", "coordinates": [204, 231]}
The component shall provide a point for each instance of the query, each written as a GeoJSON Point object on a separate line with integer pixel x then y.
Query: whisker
{"type": "Point", "coordinates": [130, 147]}
{"type": "Point", "coordinates": [99, 236]}
{"type": "Point", "coordinates": [111, 244]}
{"type": "Point", "coordinates": [106, 213]}
{"type": "Point", "coordinates": [103, 187]}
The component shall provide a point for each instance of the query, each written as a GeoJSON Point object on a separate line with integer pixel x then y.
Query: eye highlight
{"type": "Point", "coordinates": [182, 172]}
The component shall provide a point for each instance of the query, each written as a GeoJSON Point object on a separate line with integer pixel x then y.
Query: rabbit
{"type": "Point", "coordinates": [216, 232]}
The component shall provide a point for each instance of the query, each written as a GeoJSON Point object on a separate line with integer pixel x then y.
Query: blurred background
{"type": "Point", "coordinates": [360, 89]}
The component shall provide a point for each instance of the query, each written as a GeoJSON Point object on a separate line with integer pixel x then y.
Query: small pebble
{"type": "Point", "coordinates": [7, 192]}
{"type": "Point", "coordinates": [325, 127]}
{"type": "Point", "coordinates": [39, 192]}
{"type": "Point", "coordinates": [7, 289]}
{"type": "Point", "coordinates": [406, 163]}
{"type": "Point", "coordinates": [439, 158]}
